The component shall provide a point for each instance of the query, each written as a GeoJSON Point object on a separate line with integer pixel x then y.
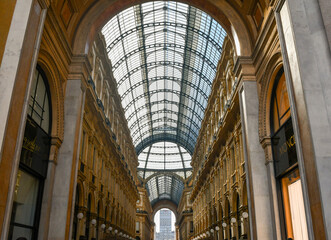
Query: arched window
{"type": "Point", "coordinates": [281, 111]}
{"type": "Point", "coordinates": [106, 213]}
{"type": "Point", "coordinates": [98, 219]}
{"type": "Point", "coordinates": [88, 216]}
{"type": "Point", "coordinates": [75, 220]}
{"type": "Point", "coordinates": [39, 102]}
{"type": "Point", "coordinates": [33, 162]}
{"type": "Point", "coordinates": [284, 151]}
{"type": "Point", "coordinates": [238, 216]}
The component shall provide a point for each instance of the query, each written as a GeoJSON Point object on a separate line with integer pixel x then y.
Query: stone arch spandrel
{"type": "Point", "coordinates": [99, 12]}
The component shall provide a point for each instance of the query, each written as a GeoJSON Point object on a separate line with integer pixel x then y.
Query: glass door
{"type": "Point", "coordinates": [24, 207]}
{"type": "Point", "coordinates": [293, 203]}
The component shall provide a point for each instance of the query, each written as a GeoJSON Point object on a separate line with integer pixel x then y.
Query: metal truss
{"type": "Point", "coordinates": [178, 93]}
{"type": "Point", "coordinates": [163, 24]}
{"type": "Point", "coordinates": [165, 111]}
{"type": "Point", "coordinates": [167, 137]}
{"type": "Point", "coordinates": [169, 128]}
{"type": "Point", "coordinates": [180, 124]}
{"type": "Point", "coordinates": [178, 65]}
{"type": "Point", "coordinates": [162, 47]}
{"type": "Point", "coordinates": [159, 78]}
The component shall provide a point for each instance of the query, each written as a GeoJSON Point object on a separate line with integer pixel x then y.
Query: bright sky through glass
{"type": "Point", "coordinates": [157, 220]}
{"type": "Point", "coordinates": [164, 56]}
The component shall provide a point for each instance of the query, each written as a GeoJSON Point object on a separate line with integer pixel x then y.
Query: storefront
{"type": "Point", "coordinates": [33, 162]}
{"type": "Point", "coordinates": [289, 187]}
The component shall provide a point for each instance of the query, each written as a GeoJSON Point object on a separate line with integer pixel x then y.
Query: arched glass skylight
{"type": "Point", "coordinates": [164, 57]}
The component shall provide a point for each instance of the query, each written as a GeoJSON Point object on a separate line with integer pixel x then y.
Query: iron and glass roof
{"type": "Point", "coordinates": [164, 56]}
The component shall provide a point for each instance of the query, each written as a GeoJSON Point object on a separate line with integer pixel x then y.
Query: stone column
{"type": "Point", "coordinates": [48, 189]}
{"type": "Point", "coordinates": [66, 169]}
{"type": "Point", "coordinates": [257, 180]}
{"type": "Point", "coordinates": [11, 58]}
{"type": "Point", "coordinates": [267, 146]}
{"type": "Point", "coordinates": [16, 72]}
{"type": "Point", "coordinates": [307, 66]}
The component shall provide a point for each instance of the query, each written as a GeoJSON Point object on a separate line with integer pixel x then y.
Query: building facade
{"type": "Point", "coordinates": [69, 163]}
{"type": "Point", "coordinates": [165, 221]}
{"type": "Point", "coordinates": [165, 232]}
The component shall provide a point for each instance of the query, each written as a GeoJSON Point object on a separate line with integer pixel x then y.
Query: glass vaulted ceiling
{"type": "Point", "coordinates": [164, 57]}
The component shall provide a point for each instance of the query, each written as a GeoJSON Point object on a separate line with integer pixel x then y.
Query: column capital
{"type": "Point", "coordinates": [80, 68]}
{"type": "Point", "coordinates": [244, 69]}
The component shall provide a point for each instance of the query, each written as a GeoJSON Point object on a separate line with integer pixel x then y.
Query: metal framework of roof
{"type": "Point", "coordinates": [164, 56]}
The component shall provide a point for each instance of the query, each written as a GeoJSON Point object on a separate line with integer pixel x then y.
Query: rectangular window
{"type": "Point", "coordinates": [137, 227]}
{"type": "Point", "coordinates": [93, 163]}
{"type": "Point", "coordinates": [82, 147]}
{"type": "Point", "coordinates": [233, 159]}
{"type": "Point", "coordinates": [225, 170]}
{"type": "Point", "coordinates": [101, 170]}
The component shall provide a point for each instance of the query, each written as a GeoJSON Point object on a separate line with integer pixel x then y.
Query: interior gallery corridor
{"type": "Point", "coordinates": [219, 110]}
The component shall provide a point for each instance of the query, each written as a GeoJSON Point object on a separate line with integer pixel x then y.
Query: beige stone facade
{"type": "Point", "coordinates": [90, 189]}
{"type": "Point", "coordinates": [219, 192]}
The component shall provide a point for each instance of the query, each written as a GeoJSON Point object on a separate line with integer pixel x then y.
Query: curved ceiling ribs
{"type": "Point", "coordinates": [164, 57]}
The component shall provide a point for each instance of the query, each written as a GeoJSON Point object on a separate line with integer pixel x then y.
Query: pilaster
{"type": "Point", "coordinates": [66, 171]}
{"type": "Point", "coordinates": [258, 192]}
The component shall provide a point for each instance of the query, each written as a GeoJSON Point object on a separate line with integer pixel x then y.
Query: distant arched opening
{"type": "Point", "coordinates": [165, 220]}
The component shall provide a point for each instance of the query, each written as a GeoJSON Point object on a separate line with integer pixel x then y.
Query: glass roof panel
{"type": "Point", "coordinates": [164, 56]}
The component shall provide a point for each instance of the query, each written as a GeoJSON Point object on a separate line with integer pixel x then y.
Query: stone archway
{"type": "Point", "coordinates": [168, 204]}
{"type": "Point", "coordinates": [165, 204]}
{"type": "Point", "coordinates": [95, 17]}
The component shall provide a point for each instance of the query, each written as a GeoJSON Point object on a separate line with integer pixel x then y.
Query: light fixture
{"type": "Point", "coordinates": [116, 231]}
{"type": "Point", "coordinates": [110, 228]}
{"type": "Point", "coordinates": [245, 215]}
{"type": "Point", "coordinates": [120, 233]}
{"type": "Point", "coordinates": [224, 225]}
{"type": "Point", "coordinates": [103, 226]}
{"type": "Point", "coordinates": [212, 230]}
{"type": "Point", "coordinates": [94, 221]}
{"type": "Point", "coordinates": [208, 233]}
{"type": "Point", "coordinates": [80, 216]}
{"type": "Point", "coordinates": [233, 220]}
{"type": "Point", "coordinates": [217, 228]}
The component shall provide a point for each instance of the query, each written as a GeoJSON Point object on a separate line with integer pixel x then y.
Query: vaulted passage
{"type": "Point", "coordinates": [217, 110]}
{"type": "Point", "coordinates": [164, 58]}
